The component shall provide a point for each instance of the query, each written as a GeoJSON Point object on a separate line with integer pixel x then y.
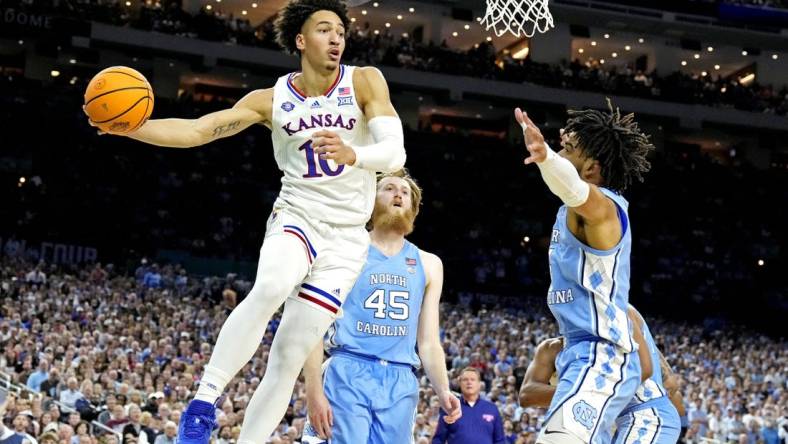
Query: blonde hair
{"type": "Point", "coordinates": [415, 189]}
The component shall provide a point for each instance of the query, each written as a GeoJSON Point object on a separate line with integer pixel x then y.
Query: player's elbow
{"type": "Point", "coordinates": [397, 161]}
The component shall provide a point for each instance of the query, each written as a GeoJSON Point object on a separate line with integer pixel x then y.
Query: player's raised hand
{"type": "Point", "coordinates": [451, 405]}
{"type": "Point", "coordinates": [321, 417]}
{"type": "Point", "coordinates": [534, 141]}
{"type": "Point", "coordinates": [328, 145]}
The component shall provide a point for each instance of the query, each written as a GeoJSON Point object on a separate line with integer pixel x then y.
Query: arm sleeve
{"type": "Point", "coordinates": [387, 154]}
{"type": "Point", "coordinates": [563, 180]}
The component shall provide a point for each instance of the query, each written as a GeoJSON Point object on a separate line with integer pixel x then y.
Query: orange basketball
{"type": "Point", "coordinates": [118, 100]}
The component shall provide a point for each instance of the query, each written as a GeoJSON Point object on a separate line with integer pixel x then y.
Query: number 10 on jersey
{"type": "Point", "coordinates": [396, 308]}
{"type": "Point", "coordinates": [311, 165]}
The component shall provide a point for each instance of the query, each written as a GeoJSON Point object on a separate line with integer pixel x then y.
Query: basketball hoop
{"type": "Point", "coordinates": [520, 17]}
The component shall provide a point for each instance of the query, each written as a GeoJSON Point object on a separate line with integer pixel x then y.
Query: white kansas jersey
{"type": "Point", "coordinates": [318, 188]}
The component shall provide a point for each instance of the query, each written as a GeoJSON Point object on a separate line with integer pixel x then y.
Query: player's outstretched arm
{"type": "Point", "coordinates": [387, 154]}
{"type": "Point", "coordinates": [586, 200]}
{"type": "Point", "coordinates": [186, 133]}
{"type": "Point", "coordinates": [318, 408]}
{"type": "Point", "coordinates": [431, 352]}
{"type": "Point", "coordinates": [536, 390]}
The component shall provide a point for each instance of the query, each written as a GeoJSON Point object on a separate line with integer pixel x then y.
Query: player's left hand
{"type": "Point", "coordinates": [534, 141]}
{"type": "Point", "coordinates": [451, 405]}
{"type": "Point", "coordinates": [328, 145]}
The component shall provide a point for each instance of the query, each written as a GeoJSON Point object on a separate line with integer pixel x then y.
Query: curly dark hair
{"type": "Point", "coordinates": [615, 141]}
{"type": "Point", "coordinates": [293, 16]}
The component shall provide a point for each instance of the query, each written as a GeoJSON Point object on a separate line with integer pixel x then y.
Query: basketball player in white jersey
{"type": "Point", "coordinates": [333, 127]}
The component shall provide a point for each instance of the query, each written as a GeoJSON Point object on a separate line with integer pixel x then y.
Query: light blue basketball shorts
{"type": "Point", "coordinates": [373, 401]}
{"type": "Point", "coordinates": [653, 422]}
{"type": "Point", "coordinates": [596, 382]}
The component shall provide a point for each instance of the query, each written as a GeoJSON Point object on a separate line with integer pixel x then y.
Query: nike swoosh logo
{"type": "Point", "coordinates": [547, 432]}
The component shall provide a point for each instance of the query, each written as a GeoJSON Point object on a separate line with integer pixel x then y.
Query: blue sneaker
{"type": "Point", "coordinates": [197, 423]}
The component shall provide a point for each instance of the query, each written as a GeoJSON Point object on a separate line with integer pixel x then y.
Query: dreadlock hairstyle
{"type": "Point", "coordinates": [292, 18]}
{"type": "Point", "coordinates": [615, 141]}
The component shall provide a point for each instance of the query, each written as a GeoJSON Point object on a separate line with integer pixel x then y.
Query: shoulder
{"type": "Point", "coordinates": [257, 99]}
{"type": "Point", "coordinates": [367, 73]}
{"type": "Point", "coordinates": [551, 346]}
{"type": "Point", "coordinates": [431, 262]}
{"type": "Point", "coordinates": [367, 79]}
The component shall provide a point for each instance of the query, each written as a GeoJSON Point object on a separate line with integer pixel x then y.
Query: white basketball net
{"type": "Point", "coordinates": [520, 17]}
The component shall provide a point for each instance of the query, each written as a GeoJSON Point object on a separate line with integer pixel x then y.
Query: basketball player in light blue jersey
{"type": "Point", "coordinates": [368, 392]}
{"type": "Point", "coordinates": [599, 369]}
{"type": "Point", "coordinates": [650, 417]}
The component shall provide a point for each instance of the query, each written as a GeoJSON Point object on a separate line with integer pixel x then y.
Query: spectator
{"type": "Point", "coordinates": [36, 378]}
{"type": "Point", "coordinates": [480, 422]}
{"type": "Point", "coordinates": [171, 432]}
{"type": "Point", "coordinates": [71, 395]}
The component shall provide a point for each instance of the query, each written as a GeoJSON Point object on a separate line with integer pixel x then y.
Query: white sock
{"type": "Point", "coordinates": [281, 268]}
{"type": "Point", "coordinates": [212, 384]}
{"type": "Point", "coordinates": [302, 328]}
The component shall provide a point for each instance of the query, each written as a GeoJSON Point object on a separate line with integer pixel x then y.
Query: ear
{"type": "Point", "coordinates": [591, 171]}
{"type": "Point", "coordinates": [300, 42]}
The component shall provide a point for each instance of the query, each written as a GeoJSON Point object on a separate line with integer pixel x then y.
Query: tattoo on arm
{"type": "Point", "coordinates": [224, 129]}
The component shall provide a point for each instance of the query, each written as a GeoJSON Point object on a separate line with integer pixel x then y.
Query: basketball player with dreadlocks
{"type": "Point", "coordinates": [598, 369]}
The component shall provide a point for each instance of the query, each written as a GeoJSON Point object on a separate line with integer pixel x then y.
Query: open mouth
{"type": "Point", "coordinates": [333, 54]}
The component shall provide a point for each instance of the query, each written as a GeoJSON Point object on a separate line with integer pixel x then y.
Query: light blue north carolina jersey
{"type": "Point", "coordinates": [652, 388]}
{"type": "Point", "coordinates": [381, 312]}
{"type": "Point", "coordinates": [589, 289]}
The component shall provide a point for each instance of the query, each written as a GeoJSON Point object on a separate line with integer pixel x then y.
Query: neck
{"type": "Point", "coordinates": [389, 242]}
{"type": "Point", "coordinates": [471, 398]}
{"type": "Point", "coordinates": [316, 81]}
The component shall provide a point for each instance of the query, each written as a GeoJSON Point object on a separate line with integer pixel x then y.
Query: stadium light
{"type": "Point", "coordinates": [399, 17]}
{"type": "Point", "coordinates": [761, 262]}
{"type": "Point", "coordinates": [411, 10]}
{"type": "Point", "coordinates": [775, 57]}
{"type": "Point", "coordinates": [716, 67]}
{"type": "Point", "coordinates": [580, 50]}
{"type": "Point", "coordinates": [744, 53]}
{"type": "Point", "coordinates": [607, 36]}
{"type": "Point", "coordinates": [467, 26]}
{"type": "Point", "coordinates": [640, 40]}
{"type": "Point", "coordinates": [627, 47]}
{"type": "Point", "coordinates": [454, 34]}
{"type": "Point", "coordinates": [710, 49]}
{"type": "Point", "coordinates": [601, 61]}
{"type": "Point", "coordinates": [615, 54]}
{"type": "Point", "coordinates": [683, 63]}
{"type": "Point", "coordinates": [593, 42]}
{"type": "Point", "coordinates": [54, 73]}
{"type": "Point", "coordinates": [696, 56]}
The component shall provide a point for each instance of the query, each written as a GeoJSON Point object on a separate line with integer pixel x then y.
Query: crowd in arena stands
{"type": "Point", "coordinates": [213, 203]}
{"type": "Point", "coordinates": [385, 49]}
{"type": "Point", "coordinates": [99, 345]}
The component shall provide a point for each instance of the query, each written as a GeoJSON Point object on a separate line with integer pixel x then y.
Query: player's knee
{"type": "Point", "coordinates": [267, 291]}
